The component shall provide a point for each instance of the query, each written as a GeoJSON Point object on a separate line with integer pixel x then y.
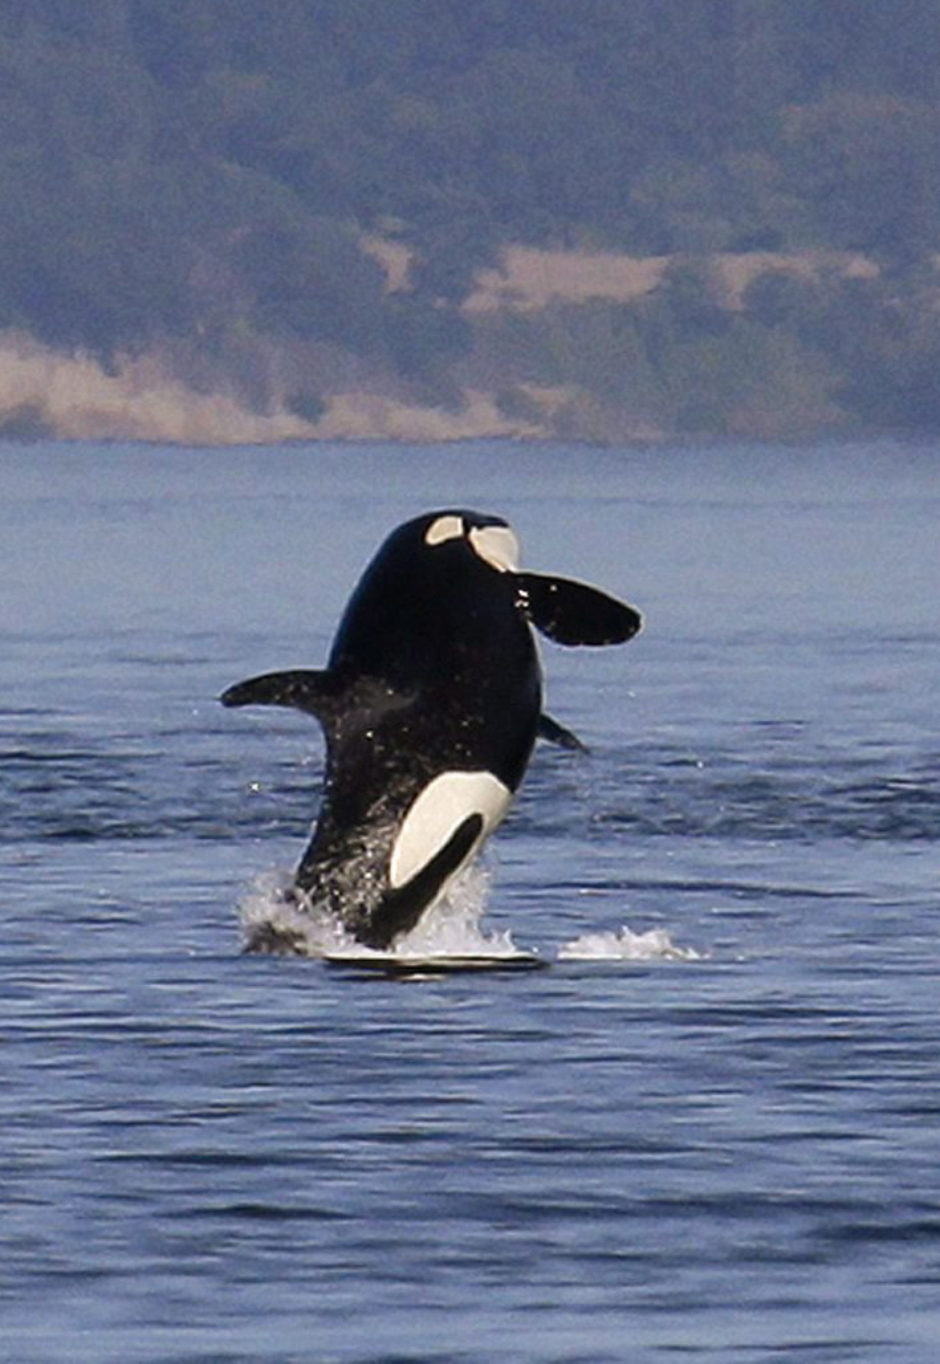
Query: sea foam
{"type": "Point", "coordinates": [275, 920]}
{"type": "Point", "coordinates": [655, 944]}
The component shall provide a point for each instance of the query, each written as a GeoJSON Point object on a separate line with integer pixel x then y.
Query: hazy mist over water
{"type": "Point", "coordinates": [724, 1146]}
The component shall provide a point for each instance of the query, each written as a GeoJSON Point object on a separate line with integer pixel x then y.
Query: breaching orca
{"type": "Point", "coordinates": [431, 702]}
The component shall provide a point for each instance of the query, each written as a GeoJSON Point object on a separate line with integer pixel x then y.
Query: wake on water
{"type": "Point", "coordinates": [275, 919]}
{"type": "Point", "coordinates": [655, 944]}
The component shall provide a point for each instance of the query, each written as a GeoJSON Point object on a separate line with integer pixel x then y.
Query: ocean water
{"type": "Point", "coordinates": [710, 1129]}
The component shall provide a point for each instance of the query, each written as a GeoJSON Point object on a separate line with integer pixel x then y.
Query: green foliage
{"type": "Point", "coordinates": [869, 168]}
{"type": "Point", "coordinates": [884, 335]}
{"type": "Point", "coordinates": [189, 168]}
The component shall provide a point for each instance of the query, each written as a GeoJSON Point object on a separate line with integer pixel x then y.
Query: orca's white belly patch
{"type": "Point", "coordinates": [437, 813]}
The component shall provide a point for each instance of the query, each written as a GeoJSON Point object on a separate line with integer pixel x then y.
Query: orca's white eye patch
{"type": "Point", "coordinates": [438, 812]}
{"type": "Point", "coordinates": [444, 528]}
{"type": "Point", "coordinates": [497, 546]}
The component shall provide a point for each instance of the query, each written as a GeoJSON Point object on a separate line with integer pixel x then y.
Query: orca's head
{"type": "Point", "coordinates": [564, 610]}
{"type": "Point", "coordinates": [489, 537]}
{"type": "Point", "coordinates": [455, 566]}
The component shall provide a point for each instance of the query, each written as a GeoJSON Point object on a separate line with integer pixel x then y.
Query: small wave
{"type": "Point", "coordinates": [274, 920]}
{"type": "Point", "coordinates": [801, 795]}
{"type": "Point", "coordinates": [654, 945]}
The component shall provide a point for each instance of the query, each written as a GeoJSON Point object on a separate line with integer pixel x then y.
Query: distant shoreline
{"type": "Point", "coordinates": [150, 397]}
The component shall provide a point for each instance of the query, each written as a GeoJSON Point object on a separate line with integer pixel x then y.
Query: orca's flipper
{"type": "Point", "coordinates": [306, 689]}
{"type": "Point", "coordinates": [322, 693]}
{"type": "Point", "coordinates": [572, 613]}
{"type": "Point", "coordinates": [554, 733]}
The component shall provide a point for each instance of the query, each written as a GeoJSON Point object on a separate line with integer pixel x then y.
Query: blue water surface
{"type": "Point", "coordinates": [726, 1156]}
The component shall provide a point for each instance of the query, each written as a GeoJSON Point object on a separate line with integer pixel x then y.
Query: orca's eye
{"type": "Point", "coordinates": [444, 528]}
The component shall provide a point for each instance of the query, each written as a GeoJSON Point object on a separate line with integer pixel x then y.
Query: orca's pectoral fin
{"type": "Point", "coordinates": [313, 691]}
{"type": "Point", "coordinates": [554, 733]}
{"type": "Point", "coordinates": [572, 613]}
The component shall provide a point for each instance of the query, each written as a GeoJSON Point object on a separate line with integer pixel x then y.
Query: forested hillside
{"type": "Point", "coordinates": [305, 210]}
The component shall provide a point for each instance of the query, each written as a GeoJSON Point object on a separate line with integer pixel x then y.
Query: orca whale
{"type": "Point", "coordinates": [431, 702]}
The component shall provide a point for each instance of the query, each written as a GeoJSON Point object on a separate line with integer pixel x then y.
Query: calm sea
{"type": "Point", "coordinates": [710, 1131]}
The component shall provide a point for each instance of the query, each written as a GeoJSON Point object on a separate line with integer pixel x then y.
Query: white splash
{"type": "Point", "coordinates": [453, 927]}
{"type": "Point", "coordinates": [654, 945]}
{"type": "Point", "coordinates": [274, 920]}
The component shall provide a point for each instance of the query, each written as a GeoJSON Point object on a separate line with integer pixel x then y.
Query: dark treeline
{"type": "Point", "coordinates": [198, 168]}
